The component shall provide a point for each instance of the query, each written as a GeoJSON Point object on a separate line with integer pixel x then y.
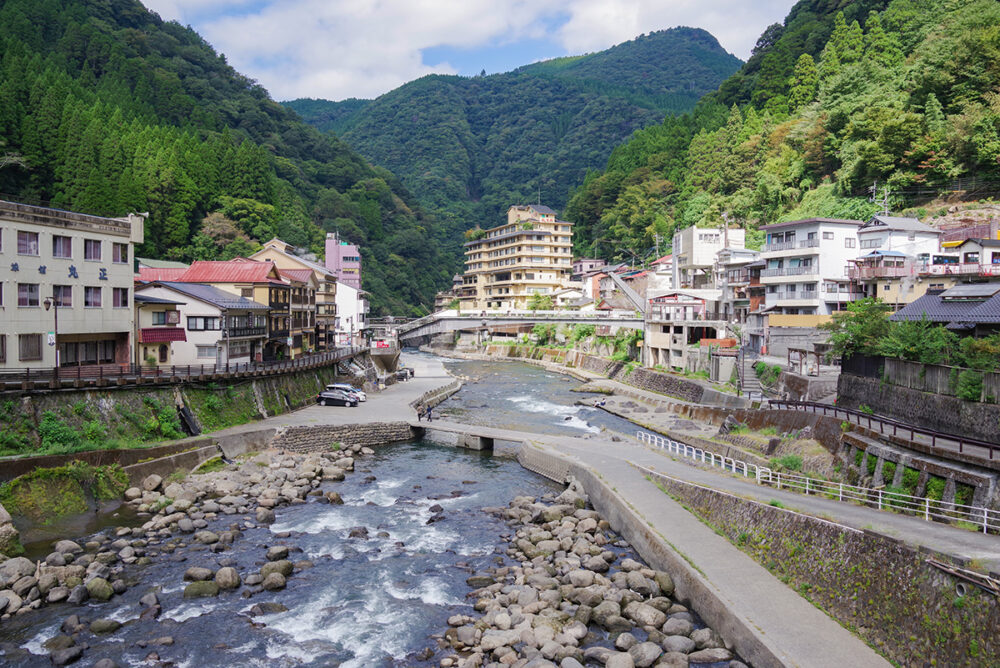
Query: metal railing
{"type": "Point", "coordinates": [789, 245]}
{"type": "Point", "coordinates": [136, 373]}
{"type": "Point", "coordinates": [984, 519]}
{"type": "Point", "coordinates": [790, 271]}
{"type": "Point", "coordinates": [887, 426]}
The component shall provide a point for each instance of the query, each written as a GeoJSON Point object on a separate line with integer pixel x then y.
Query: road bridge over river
{"type": "Point", "coordinates": [444, 322]}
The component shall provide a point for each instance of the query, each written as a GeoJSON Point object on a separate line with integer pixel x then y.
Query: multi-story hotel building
{"type": "Point", "coordinates": [67, 267]}
{"type": "Point", "coordinates": [531, 254]}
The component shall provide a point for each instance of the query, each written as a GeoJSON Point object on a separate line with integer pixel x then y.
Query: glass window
{"type": "Point", "coordinates": [159, 317]}
{"type": "Point", "coordinates": [62, 247]}
{"type": "Point", "coordinates": [92, 297]}
{"type": "Point", "coordinates": [206, 352]}
{"type": "Point", "coordinates": [63, 295]}
{"type": "Point", "coordinates": [3, 347]}
{"type": "Point", "coordinates": [849, 242]}
{"type": "Point", "coordinates": [27, 294]}
{"type": "Point", "coordinates": [29, 347]}
{"type": "Point", "coordinates": [27, 243]}
{"type": "Point", "coordinates": [91, 249]}
{"type": "Point", "coordinates": [120, 298]}
{"type": "Point", "coordinates": [119, 253]}
{"type": "Point", "coordinates": [828, 235]}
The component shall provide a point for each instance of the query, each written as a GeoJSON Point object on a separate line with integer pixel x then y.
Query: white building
{"type": "Point", "coordinates": [905, 235]}
{"type": "Point", "coordinates": [807, 263]}
{"type": "Point", "coordinates": [352, 314]}
{"type": "Point", "coordinates": [65, 285]}
{"type": "Point", "coordinates": [694, 253]}
{"type": "Point", "coordinates": [218, 326]}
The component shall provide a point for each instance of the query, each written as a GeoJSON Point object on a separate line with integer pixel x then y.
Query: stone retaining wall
{"type": "Point", "coordinates": [873, 584]}
{"type": "Point", "coordinates": [950, 415]}
{"type": "Point", "coordinates": [322, 438]}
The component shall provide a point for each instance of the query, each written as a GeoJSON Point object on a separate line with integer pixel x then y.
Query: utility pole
{"type": "Point", "coordinates": [883, 199]}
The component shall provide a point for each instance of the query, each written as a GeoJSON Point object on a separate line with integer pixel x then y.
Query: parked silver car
{"type": "Point", "coordinates": [349, 389]}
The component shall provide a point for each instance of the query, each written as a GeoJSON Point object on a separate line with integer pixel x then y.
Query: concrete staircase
{"type": "Point", "coordinates": [749, 383]}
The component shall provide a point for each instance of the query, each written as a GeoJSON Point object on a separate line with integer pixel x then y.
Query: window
{"type": "Point", "coordinates": [27, 294]}
{"type": "Point", "coordinates": [91, 249]}
{"type": "Point", "coordinates": [3, 347]}
{"type": "Point", "coordinates": [27, 243]}
{"type": "Point", "coordinates": [62, 247]}
{"type": "Point", "coordinates": [246, 292]}
{"type": "Point", "coordinates": [119, 253]}
{"type": "Point", "coordinates": [812, 235]}
{"type": "Point", "coordinates": [828, 235]}
{"type": "Point", "coordinates": [849, 242]}
{"type": "Point", "coordinates": [159, 317]}
{"type": "Point", "coordinates": [29, 347]}
{"type": "Point", "coordinates": [91, 297]}
{"type": "Point", "coordinates": [871, 243]}
{"type": "Point", "coordinates": [936, 286]}
{"type": "Point", "coordinates": [200, 323]}
{"type": "Point", "coordinates": [63, 294]}
{"type": "Point", "coordinates": [163, 353]}
{"type": "Point", "coordinates": [120, 298]}
{"type": "Point", "coordinates": [205, 352]}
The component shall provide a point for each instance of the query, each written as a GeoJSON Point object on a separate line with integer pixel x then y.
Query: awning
{"type": "Point", "coordinates": [161, 334]}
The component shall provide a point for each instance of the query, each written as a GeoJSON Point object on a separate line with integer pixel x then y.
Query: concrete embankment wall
{"type": "Point", "coordinates": [323, 438]}
{"type": "Point", "coordinates": [153, 413]}
{"type": "Point", "coordinates": [690, 586]}
{"type": "Point", "coordinates": [873, 584]}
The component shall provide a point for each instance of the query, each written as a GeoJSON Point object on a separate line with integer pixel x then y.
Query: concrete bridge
{"type": "Point", "coordinates": [444, 322]}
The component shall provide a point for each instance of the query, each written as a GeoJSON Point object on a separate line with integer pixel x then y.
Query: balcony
{"type": "Point", "coordinates": [856, 273]}
{"type": "Point", "coordinates": [240, 332]}
{"type": "Point", "coordinates": [278, 334]}
{"type": "Point", "coordinates": [801, 295]}
{"type": "Point", "coordinates": [791, 245]}
{"type": "Point", "coordinates": [790, 271]}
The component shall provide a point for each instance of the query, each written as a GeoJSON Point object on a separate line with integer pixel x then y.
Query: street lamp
{"type": "Point", "coordinates": [53, 303]}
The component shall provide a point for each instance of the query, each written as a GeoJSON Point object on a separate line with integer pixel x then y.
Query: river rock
{"type": "Point", "coordinates": [277, 552]}
{"type": "Point", "coordinates": [673, 660]}
{"type": "Point", "coordinates": [227, 578]}
{"type": "Point", "coordinates": [207, 537]}
{"type": "Point", "coordinates": [61, 641]}
{"type": "Point", "coordinates": [282, 566]}
{"type": "Point", "coordinates": [64, 657]}
{"type": "Point", "coordinates": [619, 660]}
{"type": "Point", "coordinates": [644, 654]}
{"type": "Point", "coordinates": [334, 498]}
{"type": "Point", "coordinates": [358, 532]}
{"type": "Point", "coordinates": [149, 600]}
{"type": "Point", "coordinates": [78, 595]}
{"type": "Point", "coordinates": [480, 580]}
{"type": "Point", "coordinates": [10, 602]}
{"type": "Point", "coordinates": [264, 515]}
{"type": "Point", "coordinates": [580, 577]}
{"type": "Point", "coordinates": [706, 638]}
{"type": "Point", "coordinates": [625, 641]}
{"type": "Point", "coordinates": [185, 525]}
{"type": "Point", "coordinates": [101, 626]}
{"type": "Point", "coordinates": [568, 662]}
{"type": "Point", "coordinates": [23, 585]}
{"type": "Point", "coordinates": [198, 574]}
{"type": "Point", "coordinates": [596, 564]}
{"type": "Point", "coordinates": [57, 594]}
{"type": "Point", "coordinates": [152, 482]}
{"type": "Point", "coordinates": [99, 589]}
{"type": "Point", "coordinates": [14, 569]}
{"type": "Point", "coordinates": [133, 493]}
{"type": "Point", "coordinates": [710, 655]}
{"type": "Point", "coordinates": [273, 581]}
{"type": "Point", "coordinates": [106, 663]}
{"type": "Point", "coordinates": [676, 626]}
{"type": "Point", "coordinates": [644, 615]}
{"type": "Point", "coordinates": [201, 589]}
{"type": "Point", "coordinates": [604, 611]}
{"type": "Point", "coordinates": [267, 608]}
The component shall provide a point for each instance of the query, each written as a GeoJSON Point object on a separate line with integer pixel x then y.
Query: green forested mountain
{"type": "Point", "coordinates": [468, 147]}
{"type": "Point", "coordinates": [843, 95]}
{"type": "Point", "coordinates": [104, 108]}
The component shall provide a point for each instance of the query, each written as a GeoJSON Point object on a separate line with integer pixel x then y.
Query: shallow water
{"type": "Point", "coordinates": [368, 602]}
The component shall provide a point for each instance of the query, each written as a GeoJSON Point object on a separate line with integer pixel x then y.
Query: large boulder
{"type": "Point", "coordinates": [202, 589]}
{"type": "Point", "coordinates": [99, 589]}
{"type": "Point", "coordinates": [14, 569]}
{"type": "Point", "coordinates": [282, 566]}
{"type": "Point", "coordinates": [152, 482]}
{"type": "Point", "coordinates": [644, 615]}
{"type": "Point", "coordinates": [9, 602]}
{"type": "Point", "coordinates": [273, 581]}
{"type": "Point", "coordinates": [101, 626]}
{"type": "Point", "coordinates": [227, 578]}
{"type": "Point", "coordinates": [277, 552]}
{"type": "Point", "coordinates": [198, 574]}
{"type": "Point", "coordinates": [644, 654]}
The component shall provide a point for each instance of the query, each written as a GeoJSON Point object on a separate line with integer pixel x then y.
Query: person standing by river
{"type": "Point", "coordinates": [428, 413]}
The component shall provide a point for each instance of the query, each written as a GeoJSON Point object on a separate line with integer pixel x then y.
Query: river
{"type": "Point", "coordinates": [373, 602]}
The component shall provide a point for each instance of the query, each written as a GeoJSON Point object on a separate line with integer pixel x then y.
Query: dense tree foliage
{"type": "Point", "coordinates": [469, 147]}
{"type": "Point", "coordinates": [830, 102]}
{"type": "Point", "coordinates": [104, 108]}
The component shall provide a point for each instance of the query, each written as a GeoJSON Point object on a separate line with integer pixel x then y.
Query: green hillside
{"type": "Point", "coordinates": [468, 147]}
{"type": "Point", "coordinates": [843, 95]}
{"type": "Point", "coordinates": [104, 108]}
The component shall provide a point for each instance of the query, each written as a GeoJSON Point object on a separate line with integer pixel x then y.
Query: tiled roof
{"type": "Point", "coordinates": [214, 296]}
{"type": "Point", "coordinates": [793, 223]}
{"type": "Point", "coordinates": [161, 274]}
{"type": "Point", "coordinates": [538, 208]}
{"type": "Point", "coordinates": [145, 299]}
{"type": "Point", "coordinates": [297, 274]}
{"type": "Point", "coordinates": [161, 334]}
{"type": "Point", "coordinates": [938, 308]}
{"type": "Point", "coordinates": [896, 223]}
{"type": "Point", "coordinates": [239, 270]}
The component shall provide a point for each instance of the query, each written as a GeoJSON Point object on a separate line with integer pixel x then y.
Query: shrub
{"type": "Point", "coordinates": [581, 332]}
{"type": "Point", "coordinates": [56, 434]}
{"type": "Point", "coordinates": [866, 409]}
{"type": "Point", "coordinates": [970, 385]}
{"type": "Point", "coordinates": [94, 431]}
{"type": "Point", "coordinates": [911, 477]}
{"type": "Point", "coordinates": [787, 462]}
{"type": "Point", "coordinates": [935, 488]}
{"type": "Point", "coordinates": [888, 471]}
{"type": "Point", "coordinates": [872, 461]}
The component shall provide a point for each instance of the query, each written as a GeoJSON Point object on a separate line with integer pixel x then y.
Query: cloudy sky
{"type": "Point", "coordinates": [337, 49]}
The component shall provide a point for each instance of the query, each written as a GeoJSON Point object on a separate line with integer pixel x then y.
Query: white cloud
{"type": "Point", "coordinates": [362, 48]}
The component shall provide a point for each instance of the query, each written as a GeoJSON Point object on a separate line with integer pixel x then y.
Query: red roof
{"type": "Point", "coordinates": [302, 275]}
{"type": "Point", "coordinates": [239, 270]}
{"type": "Point", "coordinates": [155, 274]}
{"type": "Point", "coordinates": [161, 334]}
{"type": "Point", "coordinates": [665, 258]}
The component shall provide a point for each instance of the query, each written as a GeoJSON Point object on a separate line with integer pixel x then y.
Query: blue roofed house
{"type": "Point", "coordinates": [970, 309]}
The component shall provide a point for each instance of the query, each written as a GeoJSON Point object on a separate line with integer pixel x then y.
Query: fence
{"type": "Point", "coordinates": [137, 374]}
{"type": "Point", "coordinates": [937, 378]}
{"type": "Point", "coordinates": [868, 366]}
{"type": "Point", "coordinates": [983, 519]}
{"type": "Point", "coordinates": [887, 427]}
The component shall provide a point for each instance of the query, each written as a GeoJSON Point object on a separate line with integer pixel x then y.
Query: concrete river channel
{"type": "Point", "coordinates": [359, 597]}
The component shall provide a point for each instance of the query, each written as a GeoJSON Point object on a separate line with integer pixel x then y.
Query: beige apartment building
{"type": "Point", "coordinates": [531, 254]}
{"type": "Point", "coordinates": [65, 287]}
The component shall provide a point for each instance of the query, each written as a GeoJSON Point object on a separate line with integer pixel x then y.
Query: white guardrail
{"type": "Point", "coordinates": [982, 519]}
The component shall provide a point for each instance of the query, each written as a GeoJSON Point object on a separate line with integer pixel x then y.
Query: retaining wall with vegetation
{"type": "Point", "coordinates": [874, 585]}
